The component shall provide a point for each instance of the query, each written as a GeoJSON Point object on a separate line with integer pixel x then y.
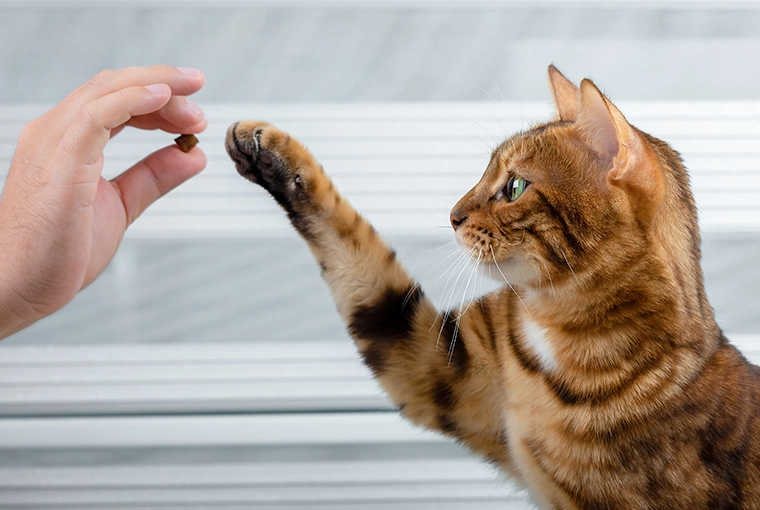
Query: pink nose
{"type": "Point", "coordinates": [457, 219]}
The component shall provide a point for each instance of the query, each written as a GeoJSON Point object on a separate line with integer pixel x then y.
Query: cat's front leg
{"type": "Point", "coordinates": [356, 263]}
{"type": "Point", "coordinates": [442, 375]}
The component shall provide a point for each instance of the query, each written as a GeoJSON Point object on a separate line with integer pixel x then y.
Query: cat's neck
{"type": "Point", "coordinates": [644, 306]}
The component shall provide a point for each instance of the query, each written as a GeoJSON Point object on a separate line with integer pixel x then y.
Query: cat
{"type": "Point", "coordinates": [596, 377]}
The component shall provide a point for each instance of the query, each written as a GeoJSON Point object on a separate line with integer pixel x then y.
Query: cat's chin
{"type": "Point", "coordinates": [510, 271]}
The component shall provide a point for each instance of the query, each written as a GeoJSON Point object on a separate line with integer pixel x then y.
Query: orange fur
{"type": "Point", "coordinates": [598, 377]}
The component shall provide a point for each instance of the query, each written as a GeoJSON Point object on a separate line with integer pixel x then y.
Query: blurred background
{"type": "Point", "coordinates": [348, 52]}
{"type": "Point", "coordinates": [357, 80]}
{"type": "Point", "coordinates": [371, 50]}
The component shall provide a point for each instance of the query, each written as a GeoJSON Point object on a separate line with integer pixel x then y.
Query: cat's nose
{"type": "Point", "coordinates": [457, 219]}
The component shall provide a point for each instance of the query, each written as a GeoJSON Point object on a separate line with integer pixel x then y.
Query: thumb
{"type": "Point", "coordinates": [155, 176]}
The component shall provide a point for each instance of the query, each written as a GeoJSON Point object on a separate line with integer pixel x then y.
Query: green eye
{"type": "Point", "coordinates": [515, 188]}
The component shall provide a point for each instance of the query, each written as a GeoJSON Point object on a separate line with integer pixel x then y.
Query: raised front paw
{"type": "Point", "coordinates": [279, 163]}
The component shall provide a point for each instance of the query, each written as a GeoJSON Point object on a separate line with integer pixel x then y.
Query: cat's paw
{"type": "Point", "coordinates": [274, 160]}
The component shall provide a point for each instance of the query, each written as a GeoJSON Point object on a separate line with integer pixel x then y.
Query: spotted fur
{"type": "Point", "coordinates": [598, 377]}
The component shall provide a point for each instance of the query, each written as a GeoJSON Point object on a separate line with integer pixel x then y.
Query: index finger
{"type": "Point", "coordinates": [182, 81]}
{"type": "Point", "coordinates": [87, 136]}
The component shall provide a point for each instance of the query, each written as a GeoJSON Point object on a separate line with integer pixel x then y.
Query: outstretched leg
{"type": "Point", "coordinates": [441, 374]}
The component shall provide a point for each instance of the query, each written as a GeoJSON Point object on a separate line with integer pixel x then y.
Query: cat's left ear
{"type": "Point", "coordinates": [567, 97]}
{"type": "Point", "coordinates": [621, 149]}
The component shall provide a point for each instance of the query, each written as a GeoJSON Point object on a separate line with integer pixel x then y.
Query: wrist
{"type": "Point", "coordinates": [16, 313]}
{"type": "Point", "coordinates": [13, 313]}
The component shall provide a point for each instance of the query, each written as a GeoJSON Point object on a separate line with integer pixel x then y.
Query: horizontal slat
{"type": "Point", "coordinates": [466, 482]}
{"type": "Point", "coordinates": [407, 185]}
{"type": "Point", "coordinates": [280, 473]}
{"type": "Point", "coordinates": [185, 378]}
{"type": "Point", "coordinates": [159, 379]}
{"type": "Point", "coordinates": [185, 431]}
{"type": "Point", "coordinates": [335, 495]}
{"type": "Point", "coordinates": [179, 397]}
{"type": "Point", "coordinates": [470, 166]}
{"type": "Point", "coordinates": [489, 129]}
{"type": "Point", "coordinates": [79, 355]}
{"type": "Point", "coordinates": [249, 373]}
{"type": "Point", "coordinates": [409, 111]}
{"type": "Point", "coordinates": [421, 147]}
{"type": "Point", "coordinates": [405, 165]}
{"type": "Point", "coordinates": [437, 474]}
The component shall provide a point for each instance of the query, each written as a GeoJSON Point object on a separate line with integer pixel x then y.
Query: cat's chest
{"type": "Point", "coordinates": [530, 364]}
{"type": "Point", "coordinates": [534, 418]}
{"type": "Point", "coordinates": [537, 342]}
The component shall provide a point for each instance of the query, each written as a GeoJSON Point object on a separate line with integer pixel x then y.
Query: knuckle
{"type": "Point", "coordinates": [158, 68]}
{"type": "Point", "coordinates": [28, 132]}
{"type": "Point", "coordinates": [102, 77]}
{"type": "Point", "coordinates": [155, 180]}
{"type": "Point", "coordinates": [89, 113]}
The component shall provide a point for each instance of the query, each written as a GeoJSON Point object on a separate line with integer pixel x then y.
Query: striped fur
{"type": "Point", "coordinates": [598, 377]}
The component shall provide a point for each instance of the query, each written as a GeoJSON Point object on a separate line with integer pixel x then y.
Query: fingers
{"type": "Point", "coordinates": [179, 115]}
{"type": "Point", "coordinates": [155, 176]}
{"type": "Point", "coordinates": [181, 81]}
{"type": "Point", "coordinates": [86, 138]}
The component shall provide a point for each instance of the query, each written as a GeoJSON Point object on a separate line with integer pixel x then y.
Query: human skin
{"type": "Point", "coordinates": [61, 222]}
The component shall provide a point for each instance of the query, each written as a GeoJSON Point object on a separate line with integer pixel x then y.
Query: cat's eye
{"type": "Point", "coordinates": [515, 187]}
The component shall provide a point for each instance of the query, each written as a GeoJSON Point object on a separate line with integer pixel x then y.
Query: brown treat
{"type": "Point", "coordinates": [186, 142]}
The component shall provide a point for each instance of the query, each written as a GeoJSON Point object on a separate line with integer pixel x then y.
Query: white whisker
{"type": "Point", "coordinates": [453, 340]}
{"type": "Point", "coordinates": [462, 311]}
{"type": "Point", "coordinates": [493, 110]}
{"type": "Point", "coordinates": [440, 331]}
{"type": "Point", "coordinates": [571, 268]}
{"type": "Point", "coordinates": [456, 282]}
{"type": "Point", "coordinates": [505, 279]}
{"type": "Point", "coordinates": [541, 266]}
{"type": "Point", "coordinates": [417, 284]}
{"type": "Point", "coordinates": [473, 274]}
{"type": "Point", "coordinates": [452, 269]}
{"type": "Point", "coordinates": [490, 146]}
{"type": "Point", "coordinates": [518, 242]}
{"type": "Point", "coordinates": [460, 257]}
{"type": "Point", "coordinates": [445, 245]}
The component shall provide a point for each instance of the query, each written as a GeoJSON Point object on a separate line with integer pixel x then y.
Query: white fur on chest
{"type": "Point", "coordinates": [537, 341]}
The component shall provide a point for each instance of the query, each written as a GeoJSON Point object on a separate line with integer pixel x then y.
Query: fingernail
{"type": "Point", "coordinates": [194, 108]}
{"type": "Point", "coordinates": [189, 71]}
{"type": "Point", "coordinates": [158, 88]}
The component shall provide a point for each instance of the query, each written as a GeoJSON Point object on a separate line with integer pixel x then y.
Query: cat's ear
{"type": "Point", "coordinates": [567, 97]}
{"type": "Point", "coordinates": [601, 125]}
{"type": "Point", "coordinates": [621, 149]}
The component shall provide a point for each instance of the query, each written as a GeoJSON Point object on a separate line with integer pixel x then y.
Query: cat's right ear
{"type": "Point", "coordinates": [621, 150]}
{"type": "Point", "coordinates": [567, 97]}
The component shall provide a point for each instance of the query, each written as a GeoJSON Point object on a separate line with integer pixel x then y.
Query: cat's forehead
{"type": "Point", "coordinates": [531, 147]}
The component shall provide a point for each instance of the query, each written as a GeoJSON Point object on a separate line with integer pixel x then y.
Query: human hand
{"type": "Point", "coordinates": [60, 220]}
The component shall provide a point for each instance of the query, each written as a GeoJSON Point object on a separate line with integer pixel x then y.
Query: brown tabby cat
{"type": "Point", "coordinates": [598, 379]}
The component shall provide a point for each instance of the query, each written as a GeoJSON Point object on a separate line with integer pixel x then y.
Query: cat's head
{"type": "Point", "coordinates": [578, 198]}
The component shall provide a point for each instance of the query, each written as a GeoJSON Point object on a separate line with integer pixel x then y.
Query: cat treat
{"type": "Point", "coordinates": [186, 142]}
